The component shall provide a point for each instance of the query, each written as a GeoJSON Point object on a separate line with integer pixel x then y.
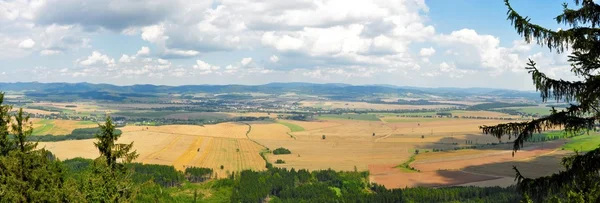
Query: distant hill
{"type": "Point", "coordinates": [332, 90]}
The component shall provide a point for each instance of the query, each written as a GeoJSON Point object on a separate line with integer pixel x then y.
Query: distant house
{"type": "Point", "coordinates": [120, 123]}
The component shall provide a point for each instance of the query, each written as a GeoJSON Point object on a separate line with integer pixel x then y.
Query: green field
{"type": "Point", "coordinates": [428, 113]}
{"type": "Point", "coordinates": [583, 143]}
{"type": "Point", "coordinates": [293, 127]}
{"type": "Point", "coordinates": [51, 109]}
{"type": "Point", "coordinates": [43, 130]}
{"type": "Point", "coordinates": [86, 122]}
{"type": "Point", "coordinates": [413, 120]}
{"type": "Point", "coordinates": [349, 116]}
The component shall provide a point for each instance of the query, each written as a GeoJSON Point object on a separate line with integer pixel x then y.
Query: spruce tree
{"type": "Point", "coordinates": [27, 174]}
{"type": "Point", "coordinates": [110, 179]}
{"type": "Point", "coordinates": [5, 142]}
{"type": "Point", "coordinates": [580, 180]}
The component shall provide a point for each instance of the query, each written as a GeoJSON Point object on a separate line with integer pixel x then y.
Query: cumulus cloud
{"type": "Point", "coordinates": [329, 40]}
{"type": "Point", "coordinates": [274, 59]}
{"type": "Point", "coordinates": [97, 58]}
{"type": "Point", "coordinates": [427, 51]}
{"type": "Point", "coordinates": [27, 44]}
{"type": "Point", "coordinates": [114, 15]}
{"type": "Point", "coordinates": [48, 52]}
{"type": "Point", "coordinates": [144, 51]}
{"type": "Point", "coordinates": [246, 61]}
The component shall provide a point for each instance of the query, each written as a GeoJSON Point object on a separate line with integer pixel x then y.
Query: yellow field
{"type": "Point", "coordinates": [376, 146]}
{"type": "Point", "coordinates": [36, 111]}
{"type": "Point", "coordinates": [365, 105]}
{"type": "Point", "coordinates": [181, 146]}
{"type": "Point", "coordinates": [58, 127]}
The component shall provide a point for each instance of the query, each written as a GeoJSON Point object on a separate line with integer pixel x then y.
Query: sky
{"type": "Point", "coordinates": [426, 43]}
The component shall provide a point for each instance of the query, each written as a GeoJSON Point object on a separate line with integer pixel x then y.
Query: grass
{"type": "Point", "coordinates": [219, 190]}
{"type": "Point", "coordinates": [429, 113]}
{"type": "Point", "coordinates": [293, 127]}
{"type": "Point", "coordinates": [413, 120]}
{"type": "Point", "coordinates": [45, 121]}
{"type": "Point", "coordinates": [51, 109]}
{"type": "Point", "coordinates": [86, 122]}
{"type": "Point", "coordinates": [349, 116]}
{"type": "Point", "coordinates": [43, 130]}
{"type": "Point", "coordinates": [405, 167]}
{"type": "Point", "coordinates": [583, 143]}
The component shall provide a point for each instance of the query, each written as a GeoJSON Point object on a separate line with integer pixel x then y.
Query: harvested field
{"type": "Point", "coordinates": [232, 154]}
{"type": "Point", "coordinates": [226, 130]}
{"type": "Point", "coordinates": [392, 177]}
{"type": "Point", "coordinates": [336, 154]}
{"type": "Point", "coordinates": [477, 167]}
{"type": "Point", "coordinates": [36, 111]}
{"type": "Point", "coordinates": [181, 146]}
{"type": "Point", "coordinates": [271, 131]}
{"type": "Point", "coordinates": [348, 129]}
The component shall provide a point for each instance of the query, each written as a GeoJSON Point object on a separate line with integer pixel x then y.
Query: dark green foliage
{"type": "Point", "coordinates": [195, 174]}
{"type": "Point", "coordinates": [77, 134]}
{"type": "Point", "coordinates": [166, 176]}
{"type": "Point", "coordinates": [5, 142]}
{"type": "Point", "coordinates": [279, 161]}
{"type": "Point", "coordinates": [282, 185]}
{"type": "Point", "coordinates": [281, 150]}
{"type": "Point", "coordinates": [28, 174]}
{"type": "Point", "coordinates": [579, 181]}
{"type": "Point", "coordinates": [447, 114]}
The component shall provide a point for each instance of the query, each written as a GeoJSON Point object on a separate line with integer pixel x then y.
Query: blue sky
{"type": "Point", "coordinates": [431, 43]}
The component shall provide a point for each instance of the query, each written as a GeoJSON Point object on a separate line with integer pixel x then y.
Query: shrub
{"type": "Point", "coordinates": [281, 150]}
{"type": "Point", "coordinates": [279, 161]}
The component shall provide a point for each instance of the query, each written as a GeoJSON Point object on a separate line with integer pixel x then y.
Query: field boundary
{"type": "Point", "coordinates": [261, 153]}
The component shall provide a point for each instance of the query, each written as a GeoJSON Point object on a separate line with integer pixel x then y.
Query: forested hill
{"type": "Point", "coordinates": [271, 88]}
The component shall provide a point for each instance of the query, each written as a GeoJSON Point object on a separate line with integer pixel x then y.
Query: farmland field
{"type": "Point", "coordinates": [374, 142]}
{"type": "Point", "coordinates": [293, 127]}
{"type": "Point", "coordinates": [583, 143]}
{"type": "Point", "coordinates": [58, 127]}
{"type": "Point", "coordinates": [348, 116]}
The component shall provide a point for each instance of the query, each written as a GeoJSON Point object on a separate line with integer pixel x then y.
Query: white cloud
{"type": "Point", "coordinates": [126, 59]}
{"type": "Point", "coordinates": [427, 51]}
{"type": "Point", "coordinates": [97, 58]}
{"type": "Point", "coordinates": [163, 62]}
{"type": "Point", "coordinates": [201, 65]}
{"type": "Point", "coordinates": [49, 52]}
{"type": "Point", "coordinates": [246, 61]}
{"type": "Point", "coordinates": [27, 44]}
{"type": "Point", "coordinates": [144, 51]}
{"type": "Point", "coordinates": [274, 59]}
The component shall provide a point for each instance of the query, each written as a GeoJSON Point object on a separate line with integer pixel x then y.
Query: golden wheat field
{"type": "Point", "coordinates": [338, 144]}
{"type": "Point", "coordinates": [182, 146]}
